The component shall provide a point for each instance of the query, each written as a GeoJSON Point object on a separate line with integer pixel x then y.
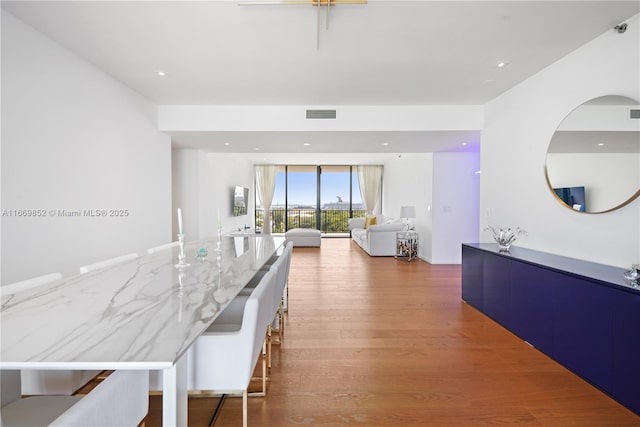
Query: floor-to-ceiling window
{"type": "Point", "coordinates": [302, 197]}
{"type": "Point", "coordinates": [339, 198]}
{"type": "Point", "coordinates": [310, 196]}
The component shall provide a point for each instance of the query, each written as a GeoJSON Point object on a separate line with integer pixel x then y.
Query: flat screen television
{"type": "Point", "coordinates": [573, 196]}
{"type": "Point", "coordinates": [240, 200]}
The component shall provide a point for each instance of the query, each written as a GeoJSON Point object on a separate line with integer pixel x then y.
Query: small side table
{"type": "Point", "coordinates": [407, 245]}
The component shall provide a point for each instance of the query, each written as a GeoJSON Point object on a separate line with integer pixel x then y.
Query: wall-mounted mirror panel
{"type": "Point", "coordinates": [593, 159]}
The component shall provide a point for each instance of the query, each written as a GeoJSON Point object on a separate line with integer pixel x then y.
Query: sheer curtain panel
{"type": "Point", "coordinates": [370, 178]}
{"type": "Point", "coordinates": [266, 185]}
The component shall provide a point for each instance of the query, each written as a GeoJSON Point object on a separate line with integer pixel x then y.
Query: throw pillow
{"type": "Point", "coordinates": [371, 220]}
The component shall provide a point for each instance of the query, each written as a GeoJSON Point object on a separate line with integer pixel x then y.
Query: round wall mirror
{"type": "Point", "coordinates": [593, 159]}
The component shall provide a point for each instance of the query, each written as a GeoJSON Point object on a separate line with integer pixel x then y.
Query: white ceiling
{"type": "Point", "coordinates": [383, 53]}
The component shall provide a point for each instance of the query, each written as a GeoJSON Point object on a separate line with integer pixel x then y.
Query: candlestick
{"type": "Point", "coordinates": [182, 257]}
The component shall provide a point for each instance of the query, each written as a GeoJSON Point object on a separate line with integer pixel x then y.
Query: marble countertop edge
{"type": "Point", "coordinates": [86, 365]}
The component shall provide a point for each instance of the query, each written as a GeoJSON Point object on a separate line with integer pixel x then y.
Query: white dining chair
{"type": "Point", "coordinates": [164, 247]}
{"type": "Point", "coordinates": [230, 371]}
{"type": "Point", "coordinates": [282, 270]}
{"type": "Point", "coordinates": [122, 399]}
{"type": "Point", "coordinates": [107, 263]}
{"type": "Point", "coordinates": [30, 283]}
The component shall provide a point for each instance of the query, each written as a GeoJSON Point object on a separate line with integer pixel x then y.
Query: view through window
{"type": "Point", "coordinates": [319, 197]}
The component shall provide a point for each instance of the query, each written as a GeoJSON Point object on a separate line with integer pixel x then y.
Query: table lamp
{"type": "Point", "coordinates": [407, 212]}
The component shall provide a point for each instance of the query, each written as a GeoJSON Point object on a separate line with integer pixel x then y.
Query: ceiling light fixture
{"type": "Point", "coordinates": [257, 149]}
{"type": "Point", "coordinates": [316, 3]}
{"type": "Point", "coordinates": [601, 144]}
{"type": "Point", "coordinates": [227, 144]}
{"type": "Point", "coordinates": [464, 144]}
{"type": "Point", "coordinates": [502, 64]}
{"type": "Point", "coordinates": [306, 144]}
{"type": "Point", "coordinates": [385, 143]}
{"type": "Point", "coordinates": [160, 73]}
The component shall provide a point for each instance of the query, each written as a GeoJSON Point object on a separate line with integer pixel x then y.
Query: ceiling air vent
{"type": "Point", "coordinates": [321, 114]}
{"type": "Point", "coordinates": [634, 114]}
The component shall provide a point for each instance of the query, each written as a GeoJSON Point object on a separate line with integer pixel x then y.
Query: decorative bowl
{"type": "Point", "coordinates": [505, 236]}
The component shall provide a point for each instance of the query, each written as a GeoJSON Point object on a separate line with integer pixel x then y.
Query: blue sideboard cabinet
{"type": "Point", "coordinates": [581, 314]}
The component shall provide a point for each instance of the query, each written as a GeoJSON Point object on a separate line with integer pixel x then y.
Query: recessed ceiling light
{"type": "Point", "coordinates": [160, 73]}
{"type": "Point", "coordinates": [464, 144]}
{"type": "Point", "coordinates": [601, 144]}
{"type": "Point", "coordinates": [227, 144]}
{"type": "Point", "coordinates": [385, 143]}
{"type": "Point", "coordinates": [502, 64]}
{"type": "Point", "coordinates": [306, 144]}
{"type": "Point", "coordinates": [257, 149]}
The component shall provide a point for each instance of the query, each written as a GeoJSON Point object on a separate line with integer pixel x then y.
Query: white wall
{"type": "Point", "coordinates": [455, 208]}
{"type": "Point", "coordinates": [408, 181]}
{"type": "Point", "coordinates": [75, 138]}
{"type": "Point", "coordinates": [227, 171]}
{"type": "Point", "coordinates": [185, 192]}
{"type": "Point", "coordinates": [518, 127]}
{"type": "Point", "coordinates": [202, 186]}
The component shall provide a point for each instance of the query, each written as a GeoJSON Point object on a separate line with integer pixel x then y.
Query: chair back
{"type": "Point", "coordinates": [30, 283]}
{"type": "Point", "coordinates": [262, 298]}
{"type": "Point", "coordinates": [163, 247]}
{"type": "Point", "coordinates": [230, 370]}
{"type": "Point", "coordinates": [122, 399]}
{"type": "Point", "coordinates": [288, 253]}
{"type": "Point", "coordinates": [281, 267]}
{"type": "Point", "coordinates": [107, 263]}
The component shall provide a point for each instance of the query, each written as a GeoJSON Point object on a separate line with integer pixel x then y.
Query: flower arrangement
{"type": "Point", "coordinates": [505, 236]}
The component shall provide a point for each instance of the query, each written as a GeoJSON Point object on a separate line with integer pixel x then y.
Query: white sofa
{"type": "Point", "coordinates": [378, 239]}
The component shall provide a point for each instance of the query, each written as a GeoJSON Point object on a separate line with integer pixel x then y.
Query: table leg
{"type": "Point", "coordinates": [174, 394]}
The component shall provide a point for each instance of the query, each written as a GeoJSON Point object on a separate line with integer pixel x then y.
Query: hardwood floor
{"type": "Point", "coordinates": [382, 342]}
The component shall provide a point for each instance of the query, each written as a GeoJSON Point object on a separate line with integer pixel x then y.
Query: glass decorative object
{"type": "Point", "coordinates": [182, 257]}
{"type": "Point", "coordinates": [633, 275]}
{"type": "Point", "coordinates": [505, 236]}
{"type": "Point", "coordinates": [202, 254]}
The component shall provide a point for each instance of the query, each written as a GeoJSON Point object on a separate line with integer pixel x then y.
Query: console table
{"type": "Point", "coordinates": [583, 315]}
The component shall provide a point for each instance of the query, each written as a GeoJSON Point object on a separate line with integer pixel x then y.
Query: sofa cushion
{"type": "Point", "coordinates": [355, 223]}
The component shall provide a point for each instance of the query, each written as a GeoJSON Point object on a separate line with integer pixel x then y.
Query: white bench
{"type": "Point", "coordinates": [304, 237]}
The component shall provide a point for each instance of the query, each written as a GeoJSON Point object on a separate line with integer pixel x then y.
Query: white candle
{"type": "Point", "coordinates": [219, 220]}
{"type": "Point", "coordinates": [179, 221]}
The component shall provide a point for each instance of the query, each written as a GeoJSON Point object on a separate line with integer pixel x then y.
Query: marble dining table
{"type": "Point", "coordinates": [141, 314]}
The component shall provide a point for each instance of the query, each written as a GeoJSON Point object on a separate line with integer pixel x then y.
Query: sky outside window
{"type": "Point", "coordinates": [303, 192]}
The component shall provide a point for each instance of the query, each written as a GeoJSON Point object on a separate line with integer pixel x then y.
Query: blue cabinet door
{"type": "Point", "coordinates": [583, 328]}
{"type": "Point", "coordinates": [496, 286]}
{"type": "Point", "coordinates": [626, 349]}
{"type": "Point", "coordinates": [532, 305]}
{"type": "Point", "coordinates": [472, 266]}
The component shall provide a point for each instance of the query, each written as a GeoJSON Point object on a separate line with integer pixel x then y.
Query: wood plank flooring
{"type": "Point", "coordinates": [382, 342]}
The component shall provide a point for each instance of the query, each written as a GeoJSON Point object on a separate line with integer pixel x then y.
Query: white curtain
{"type": "Point", "coordinates": [266, 186]}
{"type": "Point", "coordinates": [370, 178]}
